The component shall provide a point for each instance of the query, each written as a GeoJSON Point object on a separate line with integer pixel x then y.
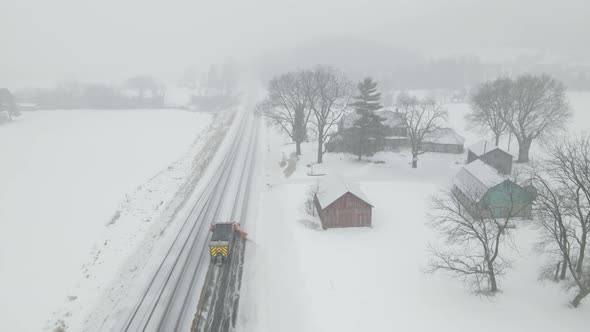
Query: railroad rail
{"type": "Point", "coordinates": [171, 296]}
{"type": "Point", "coordinates": [218, 304]}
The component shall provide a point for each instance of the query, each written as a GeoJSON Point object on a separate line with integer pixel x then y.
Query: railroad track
{"type": "Point", "coordinates": [169, 301]}
{"type": "Point", "coordinates": [218, 304]}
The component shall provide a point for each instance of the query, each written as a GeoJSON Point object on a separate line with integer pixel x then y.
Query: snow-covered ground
{"type": "Point", "coordinates": [301, 278]}
{"type": "Point", "coordinates": [73, 183]}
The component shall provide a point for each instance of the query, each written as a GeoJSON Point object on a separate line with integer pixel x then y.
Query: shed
{"type": "Point", "coordinates": [342, 203]}
{"type": "Point", "coordinates": [491, 155]}
{"type": "Point", "coordinates": [444, 140]}
{"type": "Point", "coordinates": [482, 190]}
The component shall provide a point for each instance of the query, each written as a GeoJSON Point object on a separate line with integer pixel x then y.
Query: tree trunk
{"type": "Point", "coordinates": [299, 130]}
{"type": "Point", "coordinates": [360, 150]}
{"type": "Point", "coordinates": [581, 254]}
{"type": "Point", "coordinates": [298, 148]}
{"type": "Point", "coordinates": [492, 274]}
{"type": "Point", "coordinates": [557, 268]}
{"type": "Point", "coordinates": [523, 150]}
{"type": "Point", "coordinates": [497, 139]}
{"type": "Point", "coordinates": [563, 269]}
{"type": "Point", "coordinates": [414, 160]}
{"type": "Point", "coordinates": [581, 295]}
{"type": "Point", "coordinates": [320, 151]}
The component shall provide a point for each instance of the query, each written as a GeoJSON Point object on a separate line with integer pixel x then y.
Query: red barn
{"type": "Point", "coordinates": [342, 203]}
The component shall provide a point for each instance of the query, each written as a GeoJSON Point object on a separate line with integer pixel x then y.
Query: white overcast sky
{"type": "Point", "coordinates": [107, 40]}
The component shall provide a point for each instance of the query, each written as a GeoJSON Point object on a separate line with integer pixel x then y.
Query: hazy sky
{"type": "Point", "coordinates": [45, 41]}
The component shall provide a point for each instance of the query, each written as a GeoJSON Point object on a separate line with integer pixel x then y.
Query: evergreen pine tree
{"type": "Point", "coordinates": [368, 129]}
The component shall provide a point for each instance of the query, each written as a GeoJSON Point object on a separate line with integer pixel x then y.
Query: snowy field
{"type": "Point", "coordinates": [66, 178]}
{"type": "Point", "coordinates": [301, 278]}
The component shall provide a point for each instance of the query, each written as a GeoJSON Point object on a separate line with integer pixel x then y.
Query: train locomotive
{"type": "Point", "coordinates": [223, 237]}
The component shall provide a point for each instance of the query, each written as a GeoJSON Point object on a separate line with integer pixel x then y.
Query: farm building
{"type": "Point", "coordinates": [341, 203]}
{"type": "Point", "coordinates": [393, 121]}
{"type": "Point", "coordinates": [491, 155]}
{"type": "Point", "coordinates": [481, 189]}
{"type": "Point", "coordinates": [395, 124]}
{"type": "Point", "coordinates": [444, 140]}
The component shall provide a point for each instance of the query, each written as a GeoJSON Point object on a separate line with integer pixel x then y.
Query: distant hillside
{"type": "Point", "coordinates": [355, 56]}
{"type": "Point", "coordinates": [397, 68]}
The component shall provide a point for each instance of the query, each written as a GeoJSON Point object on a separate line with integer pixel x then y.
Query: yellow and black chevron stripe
{"type": "Point", "coordinates": [219, 250]}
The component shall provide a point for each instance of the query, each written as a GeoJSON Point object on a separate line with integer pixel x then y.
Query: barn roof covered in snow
{"type": "Point", "coordinates": [392, 119]}
{"type": "Point", "coordinates": [476, 178]}
{"type": "Point", "coordinates": [332, 187]}
{"type": "Point", "coordinates": [445, 136]}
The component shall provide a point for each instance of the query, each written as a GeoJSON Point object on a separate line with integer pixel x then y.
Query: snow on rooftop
{"type": "Point", "coordinates": [392, 119]}
{"type": "Point", "coordinates": [445, 136]}
{"type": "Point", "coordinates": [332, 187]}
{"type": "Point", "coordinates": [476, 178]}
{"type": "Point", "coordinates": [482, 147]}
{"type": "Point", "coordinates": [485, 173]}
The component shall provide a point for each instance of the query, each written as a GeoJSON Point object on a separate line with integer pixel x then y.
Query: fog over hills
{"type": "Point", "coordinates": [111, 40]}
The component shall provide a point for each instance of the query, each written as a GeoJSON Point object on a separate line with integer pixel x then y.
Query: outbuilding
{"type": "Point", "coordinates": [393, 122]}
{"type": "Point", "coordinates": [491, 155]}
{"type": "Point", "coordinates": [341, 203]}
{"type": "Point", "coordinates": [444, 140]}
{"type": "Point", "coordinates": [483, 191]}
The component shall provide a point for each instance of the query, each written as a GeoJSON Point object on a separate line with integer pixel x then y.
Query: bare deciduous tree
{"type": "Point", "coordinates": [422, 118]}
{"type": "Point", "coordinates": [473, 242]}
{"type": "Point", "coordinates": [550, 217]}
{"type": "Point", "coordinates": [491, 104]}
{"type": "Point", "coordinates": [328, 94]}
{"type": "Point", "coordinates": [563, 208]}
{"type": "Point", "coordinates": [286, 106]}
{"type": "Point", "coordinates": [540, 108]}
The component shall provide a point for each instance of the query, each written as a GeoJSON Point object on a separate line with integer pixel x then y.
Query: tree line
{"type": "Point", "coordinates": [311, 103]}
{"type": "Point", "coordinates": [136, 92]}
{"type": "Point", "coordinates": [215, 89]}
